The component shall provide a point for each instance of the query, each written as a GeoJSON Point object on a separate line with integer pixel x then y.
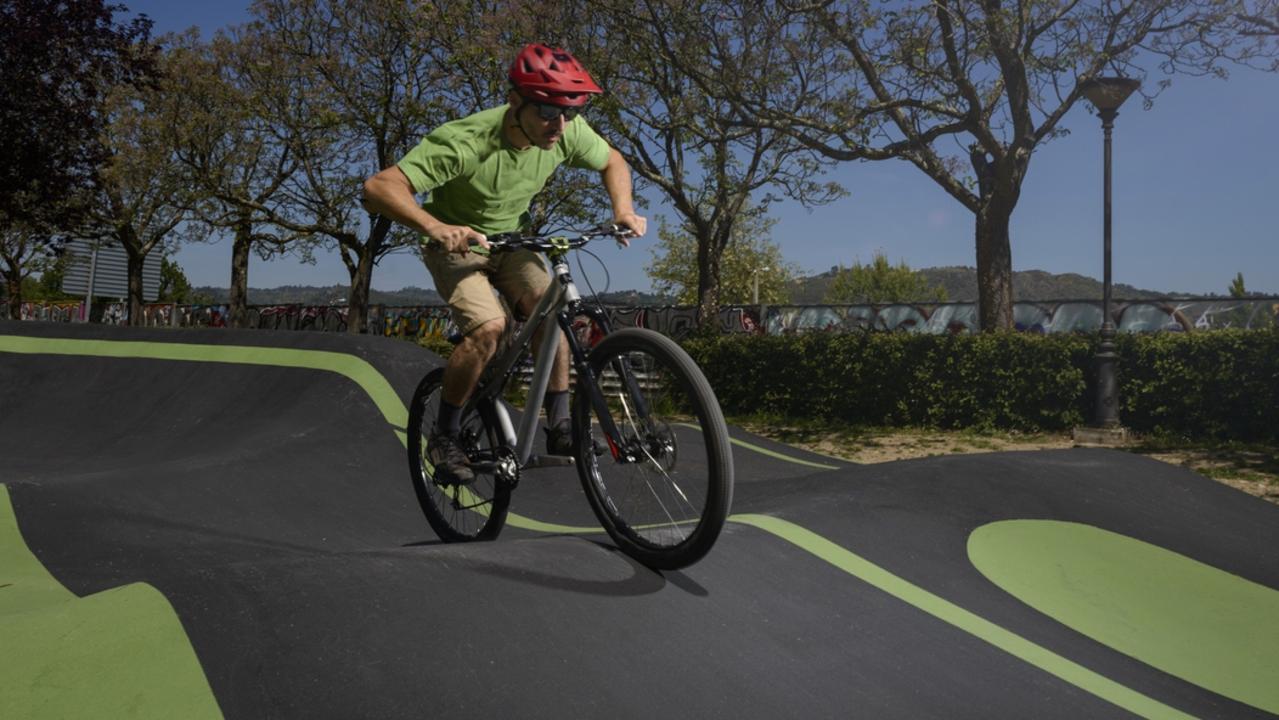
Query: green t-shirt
{"type": "Point", "coordinates": [478, 179]}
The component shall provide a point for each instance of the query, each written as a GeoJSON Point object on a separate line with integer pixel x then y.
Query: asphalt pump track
{"type": "Point", "coordinates": [220, 524]}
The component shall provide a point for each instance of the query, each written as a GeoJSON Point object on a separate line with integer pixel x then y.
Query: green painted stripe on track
{"type": "Point", "coordinates": [770, 453]}
{"type": "Point", "coordinates": [780, 456]}
{"type": "Point", "coordinates": [942, 609]}
{"type": "Point", "coordinates": [1196, 622]}
{"type": "Point", "coordinates": [386, 400]}
{"type": "Point", "coordinates": [357, 369]}
{"type": "Point", "coordinates": [117, 653]}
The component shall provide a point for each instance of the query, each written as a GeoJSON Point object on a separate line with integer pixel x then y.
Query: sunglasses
{"type": "Point", "coordinates": [548, 112]}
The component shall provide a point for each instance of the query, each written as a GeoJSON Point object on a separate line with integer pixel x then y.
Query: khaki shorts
{"type": "Point", "coordinates": [466, 282]}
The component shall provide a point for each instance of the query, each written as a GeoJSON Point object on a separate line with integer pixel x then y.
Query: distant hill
{"type": "Point", "coordinates": [405, 297]}
{"type": "Point", "coordinates": [961, 286]}
{"type": "Point", "coordinates": [331, 295]}
{"type": "Point", "coordinates": [633, 298]}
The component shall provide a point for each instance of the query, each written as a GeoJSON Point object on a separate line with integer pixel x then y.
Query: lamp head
{"type": "Point", "coordinates": [1108, 93]}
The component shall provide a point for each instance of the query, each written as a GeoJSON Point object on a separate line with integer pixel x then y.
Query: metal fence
{"type": "Point", "coordinates": [1161, 315]}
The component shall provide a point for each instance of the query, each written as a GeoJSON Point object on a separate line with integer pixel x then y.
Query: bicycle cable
{"type": "Point", "coordinates": [608, 280]}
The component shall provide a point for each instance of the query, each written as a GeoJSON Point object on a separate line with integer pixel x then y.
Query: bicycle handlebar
{"type": "Point", "coordinates": [544, 243]}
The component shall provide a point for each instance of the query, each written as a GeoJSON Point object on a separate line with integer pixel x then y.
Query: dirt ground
{"type": "Point", "coordinates": [1252, 469]}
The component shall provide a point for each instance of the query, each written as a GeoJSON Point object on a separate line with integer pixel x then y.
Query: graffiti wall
{"type": "Point", "coordinates": [1043, 317]}
{"type": "Point", "coordinates": [1168, 315]}
{"type": "Point", "coordinates": [325, 318]}
{"type": "Point", "coordinates": [411, 322]}
{"type": "Point", "coordinates": [51, 312]}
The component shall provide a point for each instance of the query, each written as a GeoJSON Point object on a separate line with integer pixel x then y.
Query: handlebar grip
{"type": "Point", "coordinates": [612, 229]}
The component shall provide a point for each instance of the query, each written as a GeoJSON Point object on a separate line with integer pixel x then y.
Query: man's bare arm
{"type": "Point", "coordinates": [617, 181]}
{"type": "Point", "coordinates": [390, 194]}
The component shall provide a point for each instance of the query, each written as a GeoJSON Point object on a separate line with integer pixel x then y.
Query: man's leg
{"type": "Point", "coordinates": [556, 403]}
{"type": "Point", "coordinates": [462, 282]}
{"type": "Point", "coordinates": [466, 363]}
{"type": "Point", "coordinates": [463, 370]}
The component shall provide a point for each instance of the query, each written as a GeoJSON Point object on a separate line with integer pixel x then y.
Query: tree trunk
{"type": "Point", "coordinates": [708, 258]}
{"type": "Point", "coordinates": [994, 265]}
{"type": "Point", "coordinates": [357, 306]}
{"type": "Point", "coordinates": [361, 281]}
{"type": "Point", "coordinates": [14, 285]}
{"type": "Point", "coordinates": [238, 311]}
{"type": "Point", "coordinates": [136, 262]}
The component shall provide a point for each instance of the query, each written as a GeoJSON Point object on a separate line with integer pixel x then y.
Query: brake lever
{"type": "Point", "coordinates": [504, 240]}
{"type": "Point", "coordinates": [621, 234]}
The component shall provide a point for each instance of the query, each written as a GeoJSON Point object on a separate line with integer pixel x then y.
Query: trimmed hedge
{"type": "Point", "coordinates": [1220, 384]}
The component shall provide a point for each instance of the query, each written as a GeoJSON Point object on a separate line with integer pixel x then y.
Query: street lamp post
{"type": "Point", "coordinates": [1107, 94]}
{"type": "Point", "coordinates": [755, 284]}
{"type": "Point", "coordinates": [755, 293]}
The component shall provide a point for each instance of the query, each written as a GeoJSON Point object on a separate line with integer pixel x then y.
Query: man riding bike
{"type": "Point", "coordinates": [482, 172]}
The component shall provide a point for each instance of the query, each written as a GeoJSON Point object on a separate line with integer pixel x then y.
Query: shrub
{"type": "Point", "coordinates": [1220, 384]}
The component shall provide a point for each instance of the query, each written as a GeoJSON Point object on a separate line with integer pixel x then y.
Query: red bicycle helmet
{"type": "Point", "coordinates": [545, 74]}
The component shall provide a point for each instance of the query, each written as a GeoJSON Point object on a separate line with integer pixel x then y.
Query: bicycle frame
{"type": "Point", "coordinates": [563, 301]}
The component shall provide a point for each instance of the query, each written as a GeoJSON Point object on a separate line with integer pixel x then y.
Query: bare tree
{"type": "Point", "coordinates": [965, 90]}
{"type": "Point", "coordinates": [1260, 19]}
{"type": "Point", "coordinates": [24, 250]}
{"type": "Point", "coordinates": [752, 268]}
{"type": "Point", "coordinates": [714, 170]}
{"type": "Point", "coordinates": [362, 90]}
{"type": "Point", "coordinates": [230, 148]}
{"type": "Point", "coordinates": [142, 197]}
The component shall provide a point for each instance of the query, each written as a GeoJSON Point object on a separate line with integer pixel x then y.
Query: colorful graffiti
{"type": "Point", "coordinates": [1171, 315]}
{"type": "Point", "coordinates": [411, 322]}
{"type": "Point", "coordinates": [159, 315]}
{"type": "Point", "coordinates": [116, 313]}
{"type": "Point", "coordinates": [681, 321]}
{"type": "Point", "coordinates": [48, 312]}
{"type": "Point", "coordinates": [1164, 315]}
{"type": "Point", "coordinates": [204, 316]}
{"type": "Point", "coordinates": [326, 318]}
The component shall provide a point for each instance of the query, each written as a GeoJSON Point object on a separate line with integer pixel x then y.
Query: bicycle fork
{"type": "Point", "coordinates": [589, 383]}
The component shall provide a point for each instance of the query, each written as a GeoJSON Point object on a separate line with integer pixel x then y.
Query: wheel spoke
{"type": "Point", "coordinates": [455, 513]}
{"type": "Point", "coordinates": [659, 493]}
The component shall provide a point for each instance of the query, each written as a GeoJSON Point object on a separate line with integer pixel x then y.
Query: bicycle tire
{"type": "Point", "coordinates": [476, 511]}
{"type": "Point", "coordinates": [667, 509]}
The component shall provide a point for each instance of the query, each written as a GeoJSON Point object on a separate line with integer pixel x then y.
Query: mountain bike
{"type": "Point", "coordinates": [661, 480]}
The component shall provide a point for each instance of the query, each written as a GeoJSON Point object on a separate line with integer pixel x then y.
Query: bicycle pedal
{"type": "Point", "coordinates": [544, 461]}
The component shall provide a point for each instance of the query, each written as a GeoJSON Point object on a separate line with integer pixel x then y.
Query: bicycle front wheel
{"type": "Point", "coordinates": [663, 489]}
{"type": "Point", "coordinates": [457, 513]}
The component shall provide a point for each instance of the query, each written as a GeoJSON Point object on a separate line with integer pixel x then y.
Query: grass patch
{"type": "Point", "coordinates": [1251, 467]}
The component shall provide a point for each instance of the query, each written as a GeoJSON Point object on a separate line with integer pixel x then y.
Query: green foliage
{"type": "Point", "coordinates": [1222, 385]}
{"type": "Point", "coordinates": [750, 256]}
{"type": "Point", "coordinates": [437, 344]}
{"type": "Point", "coordinates": [48, 287]}
{"type": "Point", "coordinates": [60, 61]}
{"type": "Point", "coordinates": [25, 250]}
{"type": "Point", "coordinates": [1019, 382]}
{"type": "Point", "coordinates": [1237, 290]}
{"type": "Point", "coordinates": [880, 282]}
{"type": "Point", "coordinates": [30, 290]}
{"type": "Point", "coordinates": [174, 286]}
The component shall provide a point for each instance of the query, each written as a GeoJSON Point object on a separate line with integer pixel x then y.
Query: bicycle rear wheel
{"type": "Point", "coordinates": [663, 494]}
{"type": "Point", "coordinates": [475, 511]}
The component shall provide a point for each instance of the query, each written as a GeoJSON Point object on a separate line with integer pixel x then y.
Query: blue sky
{"type": "Point", "coordinates": [1196, 199]}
